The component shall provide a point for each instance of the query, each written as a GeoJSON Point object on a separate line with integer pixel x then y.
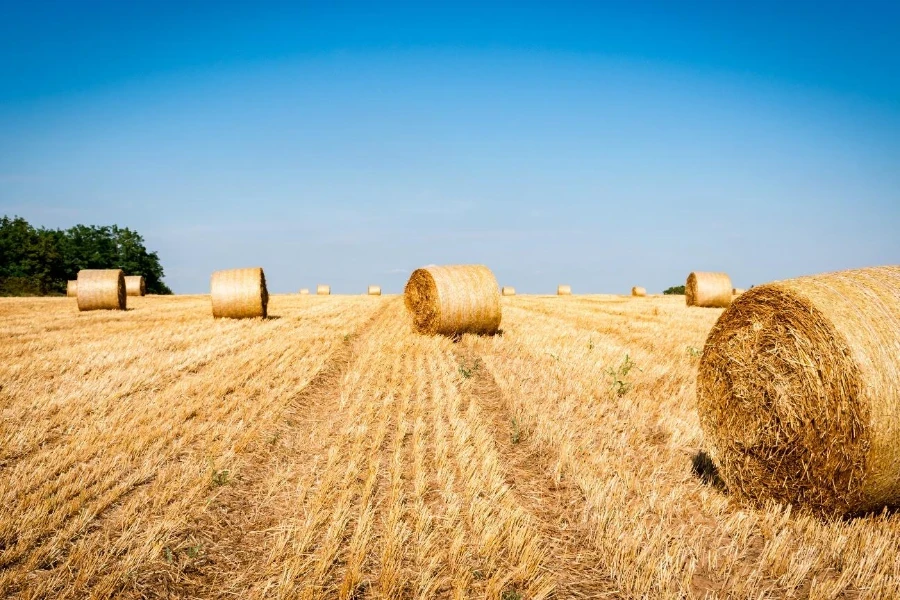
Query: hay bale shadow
{"type": "Point", "coordinates": [702, 466]}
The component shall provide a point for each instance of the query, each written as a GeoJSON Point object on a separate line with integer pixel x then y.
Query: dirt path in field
{"type": "Point", "coordinates": [557, 505]}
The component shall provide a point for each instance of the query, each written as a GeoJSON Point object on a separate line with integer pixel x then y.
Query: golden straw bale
{"type": "Point", "coordinates": [508, 291]}
{"type": "Point", "coordinates": [323, 290]}
{"type": "Point", "coordinates": [304, 292]}
{"type": "Point", "coordinates": [72, 288]}
{"type": "Point", "coordinates": [638, 291]}
{"type": "Point", "coordinates": [798, 391]}
{"type": "Point", "coordinates": [737, 291]}
{"type": "Point", "coordinates": [453, 299]}
{"type": "Point", "coordinates": [374, 290]}
{"type": "Point", "coordinates": [708, 290]}
{"type": "Point", "coordinates": [564, 290]}
{"type": "Point", "coordinates": [239, 293]}
{"type": "Point", "coordinates": [134, 285]}
{"type": "Point", "coordinates": [101, 289]}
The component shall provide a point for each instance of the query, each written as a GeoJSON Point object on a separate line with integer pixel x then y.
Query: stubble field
{"type": "Point", "coordinates": [329, 452]}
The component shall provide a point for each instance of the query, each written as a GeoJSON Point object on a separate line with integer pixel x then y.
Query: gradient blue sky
{"type": "Point", "coordinates": [602, 145]}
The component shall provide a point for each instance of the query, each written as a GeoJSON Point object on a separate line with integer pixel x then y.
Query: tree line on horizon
{"type": "Point", "coordinates": [39, 261]}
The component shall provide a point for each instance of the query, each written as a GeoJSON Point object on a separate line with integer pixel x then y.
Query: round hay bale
{"type": "Point", "coordinates": [304, 292]}
{"type": "Point", "coordinates": [134, 285]}
{"type": "Point", "coordinates": [507, 291]}
{"type": "Point", "coordinates": [798, 391]}
{"type": "Point", "coordinates": [737, 291]}
{"type": "Point", "coordinates": [72, 288]}
{"type": "Point", "coordinates": [638, 291]}
{"type": "Point", "coordinates": [564, 290]}
{"type": "Point", "coordinates": [374, 290]}
{"type": "Point", "coordinates": [101, 289]}
{"type": "Point", "coordinates": [453, 299]}
{"type": "Point", "coordinates": [323, 290]}
{"type": "Point", "coordinates": [708, 290]}
{"type": "Point", "coordinates": [239, 293]}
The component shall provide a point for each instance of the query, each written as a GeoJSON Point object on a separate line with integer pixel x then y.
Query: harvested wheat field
{"type": "Point", "coordinates": [330, 452]}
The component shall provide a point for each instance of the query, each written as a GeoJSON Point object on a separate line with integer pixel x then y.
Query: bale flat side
{"type": "Point", "coordinates": [101, 289]}
{"type": "Point", "coordinates": [239, 293]}
{"type": "Point", "coordinates": [708, 290]}
{"type": "Point", "coordinates": [798, 391]}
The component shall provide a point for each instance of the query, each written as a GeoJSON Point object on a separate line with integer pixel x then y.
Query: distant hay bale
{"type": "Point", "coordinates": [72, 288]}
{"type": "Point", "coordinates": [708, 290]}
{"type": "Point", "coordinates": [304, 292]}
{"type": "Point", "coordinates": [239, 293]}
{"type": "Point", "coordinates": [508, 291]}
{"type": "Point", "coordinates": [798, 391]}
{"type": "Point", "coordinates": [374, 290]}
{"type": "Point", "coordinates": [638, 291]}
{"type": "Point", "coordinates": [134, 285]}
{"type": "Point", "coordinates": [453, 299]}
{"type": "Point", "coordinates": [101, 289]}
{"type": "Point", "coordinates": [737, 291]}
{"type": "Point", "coordinates": [564, 290]}
{"type": "Point", "coordinates": [323, 290]}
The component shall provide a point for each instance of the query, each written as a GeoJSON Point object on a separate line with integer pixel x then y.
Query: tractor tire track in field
{"type": "Point", "coordinates": [233, 527]}
{"type": "Point", "coordinates": [557, 506]}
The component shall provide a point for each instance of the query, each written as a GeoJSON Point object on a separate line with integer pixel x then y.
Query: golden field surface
{"type": "Point", "coordinates": [329, 452]}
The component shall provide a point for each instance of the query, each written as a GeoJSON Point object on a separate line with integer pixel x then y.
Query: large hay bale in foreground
{"type": "Point", "coordinates": [374, 290]}
{"type": "Point", "coordinates": [564, 290]}
{"type": "Point", "coordinates": [507, 291]}
{"type": "Point", "coordinates": [638, 291]}
{"type": "Point", "coordinates": [101, 289]}
{"type": "Point", "coordinates": [134, 285]}
{"type": "Point", "coordinates": [239, 293]}
{"type": "Point", "coordinates": [453, 299]}
{"type": "Point", "coordinates": [708, 290]}
{"type": "Point", "coordinates": [798, 391]}
{"type": "Point", "coordinates": [323, 290]}
{"type": "Point", "coordinates": [72, 288]}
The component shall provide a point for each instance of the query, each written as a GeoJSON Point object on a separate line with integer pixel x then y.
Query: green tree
{"type": "Point", "coordinates": [675, 289]}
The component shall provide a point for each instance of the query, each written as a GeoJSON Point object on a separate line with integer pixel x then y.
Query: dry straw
{"type": "Point", "coordinates": [134, 285]}
{"type": "Point", "coordinates": [453, 299]}
{"type": "Point", "coordinates": [304, 292]}
{"type": "Point", "coordinates": [239, 293]}
{"type": "Point", "coordinates": [508, 291]}
{"type": "Point", "coordinates": [638, 291]}
{"type": "Point", "coordinates": [564, 290]}
{"type": "Point", "coordinates": [101, 289]}
{"type": "Point", "coordinates": [72, 288]}
{"type": "Point", "coordinates": [798, 391]}
{"type": "Point", "coordinates": [374, 290]}
{"type": "Point", "coordinates": [323, 290]}
{"type": "Point", "coordinates": [708, 290]}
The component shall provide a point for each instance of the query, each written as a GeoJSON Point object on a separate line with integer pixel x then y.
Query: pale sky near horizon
{"type": "Point", "coordinates": [602, 145]}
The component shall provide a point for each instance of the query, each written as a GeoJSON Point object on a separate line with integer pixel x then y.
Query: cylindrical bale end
{"type": "Point", "coordinates": [453, 299]}
{"type": "Point", "coordinates": [708, 290]}
{"type": "Point", "coordinates": [239, 293]}
{"type": "Point", "coordinates": [798, 392]}
{"type": "Point", "coordinates": [101, 289]}
{"type": "Point", "coordinates": [134, 285]}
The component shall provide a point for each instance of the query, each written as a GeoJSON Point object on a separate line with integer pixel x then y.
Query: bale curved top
{"type": "Point", "coordinates": [101, 289]}
{"type": "Point", "coordinates": [798, 391]}
{"type": "Point", "coordinates": [453, 299]}
{"type": "Point", "coordinates": [708, 290]}
{"type": "Point", "coordinates": [135, 285]}
{"type": "Point", "coordinates": [239, 293]}
{"type": "Point", "coordinates": [638, 291]}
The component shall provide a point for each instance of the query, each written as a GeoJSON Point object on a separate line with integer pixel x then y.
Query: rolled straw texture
{"type": "Point", "coordinates": [72, 288]}
{"type": "Point", "coordinates": [304, 292]}
{"type": "Point", "coordinates": [101, 289]}
{"type": "Point", "coordinates": [564, 290]}
{"type": "Point", "coordinates": [453, 299]}
{"type": "Point", "coordinates": [374, 290]}
{"type": "Point", "coordinates": [239, 293]}
{"type": "Point", "coordinates": [507, 291]}
{"type": "Point", "coordinates": [323, 290]}
{"type": "Point", "coordinates": [798, 391]}
{"type": "Point", "coordinates": [708, 290]}
{"type": "Point", "coordinates": [134, 285]}
{"type": "Point", "coordinates": [638, 291]}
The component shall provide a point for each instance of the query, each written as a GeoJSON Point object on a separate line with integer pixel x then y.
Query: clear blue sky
{"type": "Point", "coordinates": [602, 145]}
